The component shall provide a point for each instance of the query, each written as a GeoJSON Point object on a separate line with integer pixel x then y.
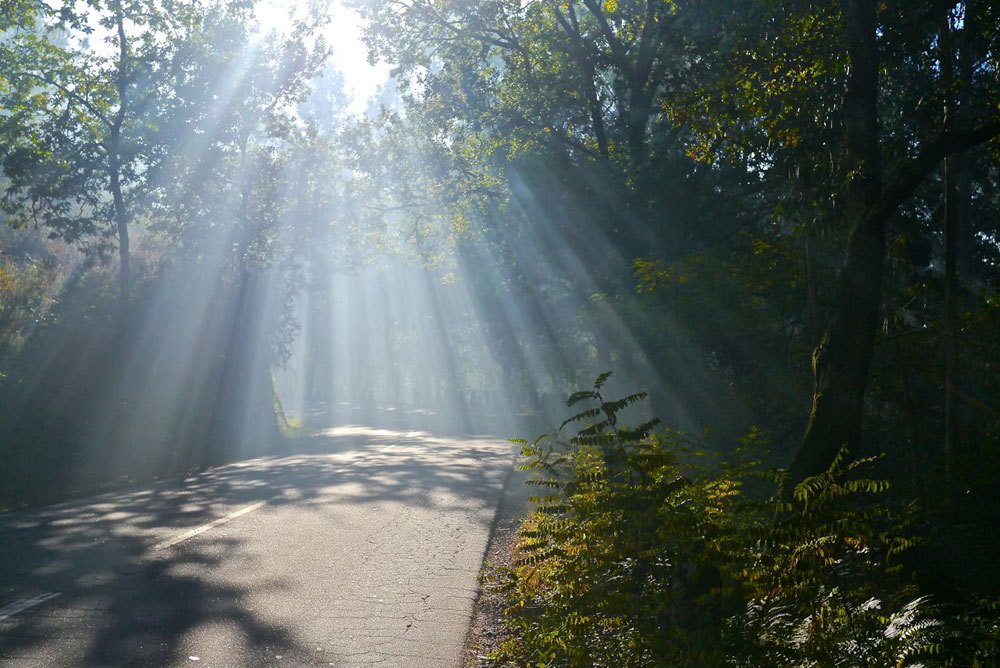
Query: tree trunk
{"type": "Point", "coordinates": [916, 479]}
{"type": "Point", "coordinates": [842, 360]}
{"type": "Point", "coordinates": [572, 29]}
{"type": "Point", "coordinates": [950, 309]}
{"type": "Point", "coordinates": [121, 223]}
{"type": "Point", "coordinates": [808, 221]}
{"type": "Point", "coordinates": [966, 239]}
{"type": "Point", "coordinates": [812, 288]}
{"type": "Point", "coordinates": [951, 168]}
{"type": "Point", "coordinates": [958, 197]}
{"type": "Point", "coordinates": [114, 169]}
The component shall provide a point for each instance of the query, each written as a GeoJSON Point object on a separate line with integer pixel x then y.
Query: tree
{"type": "Point", "coordinates": [79, 141]}
{"type": "Point", "coordinates": [844, 100]}
{"type": "Point", "coordinates": [872, 195]}
{"type": "Point", "coordinates": [584, 86]}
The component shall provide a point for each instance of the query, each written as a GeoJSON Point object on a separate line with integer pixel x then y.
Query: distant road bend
{"type": "Point", "coordinates": [363, 550]}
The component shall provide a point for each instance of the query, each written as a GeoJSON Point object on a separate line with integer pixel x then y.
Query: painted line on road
{"type": "Point", "coordinates": [205, 527]}
{"type": "Point", "coordinates": [24, 604]}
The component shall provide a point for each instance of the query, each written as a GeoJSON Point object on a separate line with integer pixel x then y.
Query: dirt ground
{"type": "Point", "coordinates": [487, 630]}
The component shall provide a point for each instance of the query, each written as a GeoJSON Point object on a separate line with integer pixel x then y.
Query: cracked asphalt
{"type": "Point", "coordinates": [361, 549]}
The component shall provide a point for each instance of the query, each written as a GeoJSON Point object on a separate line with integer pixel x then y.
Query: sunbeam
{"type": "Point", "coordinates": [276, 274]}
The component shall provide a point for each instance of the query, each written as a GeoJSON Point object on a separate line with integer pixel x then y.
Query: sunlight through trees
{"type": "Point", "coordinates": [224, 221]}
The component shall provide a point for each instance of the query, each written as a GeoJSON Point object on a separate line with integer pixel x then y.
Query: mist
{"type": "Point", "coordinates": [683, 244]}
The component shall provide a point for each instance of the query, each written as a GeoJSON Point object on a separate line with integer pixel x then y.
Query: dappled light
{"type": "Point", "coordinates": [148, 595]}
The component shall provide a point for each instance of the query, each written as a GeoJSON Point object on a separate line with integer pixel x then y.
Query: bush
{"type": "Point", "coordinates": [644, 551]}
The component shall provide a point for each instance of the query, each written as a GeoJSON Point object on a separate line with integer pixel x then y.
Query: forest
{"type": "Point", "coordinates": [770, 230]}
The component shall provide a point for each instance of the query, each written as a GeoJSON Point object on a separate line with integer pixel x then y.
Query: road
{"type": "Point", "coordinates": [362, 548]}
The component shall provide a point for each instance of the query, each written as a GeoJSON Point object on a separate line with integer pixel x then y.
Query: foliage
{"type": "Point", "coordinates": [732, 212]}
{"type": "Point", "coordinates": [643, 550]}
{"type": "Point", "coordinates": [169, 122]}
{"type": "Point", "coordinates": [30, 278]}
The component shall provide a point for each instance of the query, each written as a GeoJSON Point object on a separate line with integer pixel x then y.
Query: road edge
{"type": "Point", "coordinates": [485, 631]}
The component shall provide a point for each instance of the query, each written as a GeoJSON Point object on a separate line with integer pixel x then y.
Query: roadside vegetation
{"type": "Point", "coordinates": [643, 549]}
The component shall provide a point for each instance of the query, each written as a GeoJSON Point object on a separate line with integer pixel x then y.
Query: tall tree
{"type": "Point", "coordinates": [85, 94]}
{"type": "Point", "coordinates": [871, 197]}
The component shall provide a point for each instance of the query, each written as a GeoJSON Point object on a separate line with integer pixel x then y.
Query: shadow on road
{"type": "Point", "coordinates": [124, 600]}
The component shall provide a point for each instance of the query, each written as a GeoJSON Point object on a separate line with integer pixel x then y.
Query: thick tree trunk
{"type": "Point", "coordinates": [843, 358]}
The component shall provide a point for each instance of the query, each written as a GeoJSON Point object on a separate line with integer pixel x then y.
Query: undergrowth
{"type": "Point", "coordinates": [643, 550]}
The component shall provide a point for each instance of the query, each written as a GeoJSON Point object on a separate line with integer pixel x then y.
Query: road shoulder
{"type": "Point", "coordinates": [487, 631]}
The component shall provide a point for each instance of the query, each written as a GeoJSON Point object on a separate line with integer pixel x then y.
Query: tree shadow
{"type": "Point", "coordinates": [125, 599]}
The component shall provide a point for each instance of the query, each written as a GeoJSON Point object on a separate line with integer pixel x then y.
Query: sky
{"type": "Point", "coordinates": [343, 34]}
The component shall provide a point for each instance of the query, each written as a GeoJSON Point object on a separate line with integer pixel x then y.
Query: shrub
{"type": "Point", "coordinates": [644, 551]}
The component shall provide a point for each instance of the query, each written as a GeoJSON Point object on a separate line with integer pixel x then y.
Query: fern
{"type": "Point", "coordinates": [645, 551]}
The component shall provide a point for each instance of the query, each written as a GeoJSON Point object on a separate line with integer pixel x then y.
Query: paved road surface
{"type": "Point", "coordinates": [361, 550]}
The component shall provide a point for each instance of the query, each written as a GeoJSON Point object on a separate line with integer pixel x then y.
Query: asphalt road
{"type": "Point", "coordinates": [362, 549]}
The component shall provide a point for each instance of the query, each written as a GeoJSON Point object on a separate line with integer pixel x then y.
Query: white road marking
{"type": "Point", "coordinates": [24, 604]}
{"type": "Point", "coordinates": [205, 527]}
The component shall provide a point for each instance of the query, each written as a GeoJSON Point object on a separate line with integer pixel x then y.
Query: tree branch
{"type": "Point", "coordinates": [912, 174]}
{"type": "Point", "coordinates": [73, 95]}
